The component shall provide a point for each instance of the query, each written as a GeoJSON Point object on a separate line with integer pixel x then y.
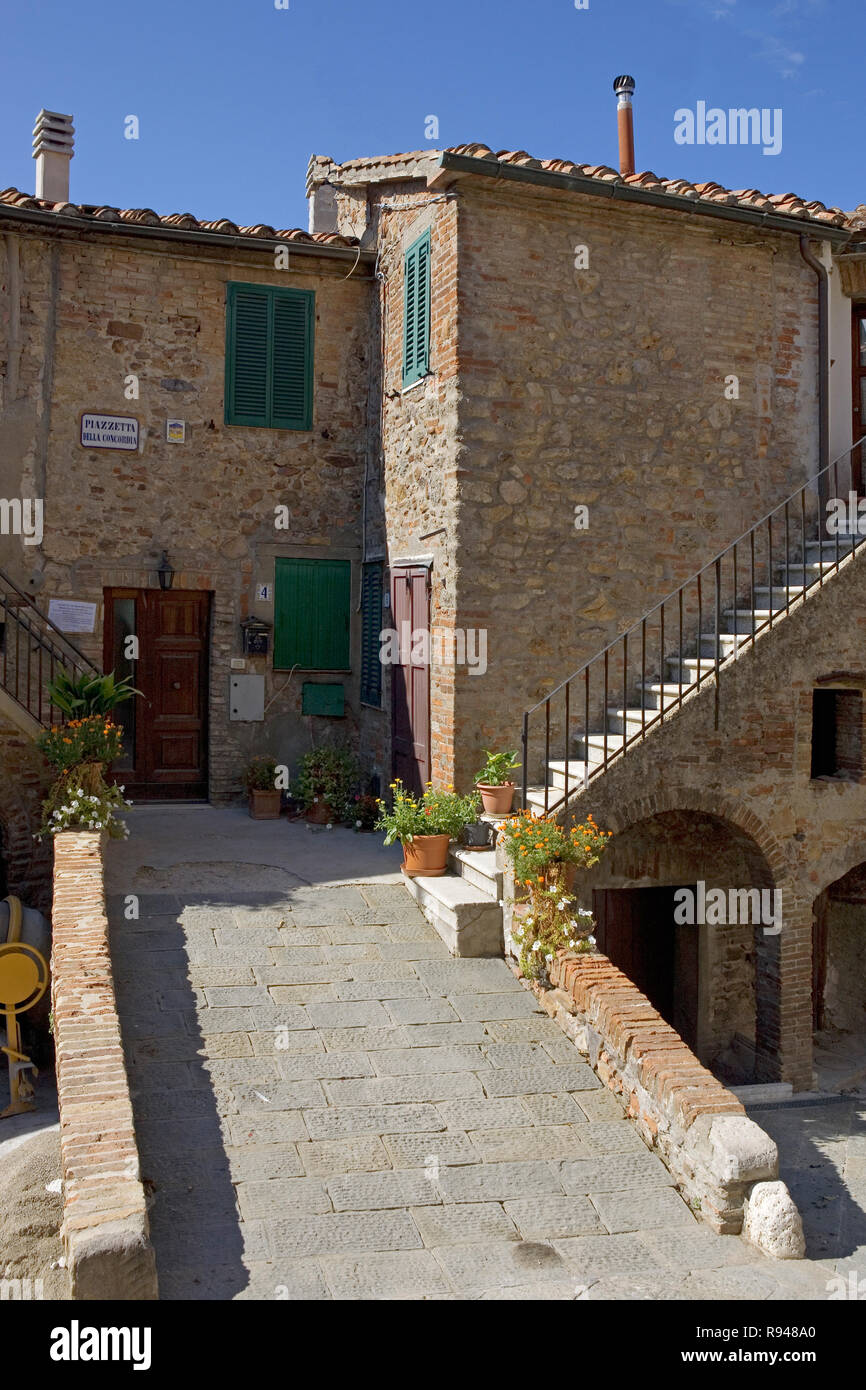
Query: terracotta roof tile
{"type": "Point", "coordinates": [176, 221]}
{"type": "Point", "coordinates": [786, 204]}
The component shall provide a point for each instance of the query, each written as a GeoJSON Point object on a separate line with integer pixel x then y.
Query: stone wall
{"type": "Point", "coordinates": [605, 387]}
{"type": "Point", "coordinates": [23, 784]}
{"type": "Point", "coordinates": [420, 452]}
{"type": "Point", "coordinates": [80, 315]}
{"type": "Point", "coordinates": [105, 1227]}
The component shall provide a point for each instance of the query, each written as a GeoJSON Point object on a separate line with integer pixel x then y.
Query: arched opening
{"type": "Point", "coordinates": [686, 905]}
{"type": "Point", "coordinates": [839, 982]}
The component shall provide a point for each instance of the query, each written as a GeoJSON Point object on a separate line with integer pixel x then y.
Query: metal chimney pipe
{"type": "Point", "coordinates": [53, 149]}
{"type": "Point", "coordinates": [624, 88]}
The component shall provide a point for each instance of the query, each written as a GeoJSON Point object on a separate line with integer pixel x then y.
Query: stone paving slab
{"type": "Point", "coordinates": [329, 1106]}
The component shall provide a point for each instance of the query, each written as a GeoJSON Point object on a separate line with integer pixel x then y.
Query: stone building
{"type": "Point", "coordinates": [508, 404]}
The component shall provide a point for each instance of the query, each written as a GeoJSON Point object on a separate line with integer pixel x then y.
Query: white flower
{"type": "Point", "coordinates": [536, 946]}
{"type": "Point", "coordinates": [357, 822]}
{"type": "Point", "coordinates": [562, 904]}
{"type": "Point", "coordinates": [591, 940]}
{"type": "Point", "coordinates": [549, 956]}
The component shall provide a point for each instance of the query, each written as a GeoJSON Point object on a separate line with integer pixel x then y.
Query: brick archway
{"type": "Point", "coordinates": [783, 982]}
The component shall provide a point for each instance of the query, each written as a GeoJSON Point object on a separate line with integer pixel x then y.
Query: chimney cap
{"type": "Point", "coordinates": [624, 85]}
{"type": "Point", "coordinates": [53, 133]}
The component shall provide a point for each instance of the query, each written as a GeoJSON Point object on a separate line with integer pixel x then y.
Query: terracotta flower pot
{"type": "Point", "coordinates": [264, 805]}
{"type": "Point", "coordinates": [426, 856]}
{"type": "Point", "coordinates": [496, 800]}
{"type": "Point", "coordinates": [320, 813]}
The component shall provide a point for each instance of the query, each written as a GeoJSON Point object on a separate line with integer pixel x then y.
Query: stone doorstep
{"type": "Point", "coordinates": [478, 867]}
{"type": "Point", "coordinates": [468, 920]}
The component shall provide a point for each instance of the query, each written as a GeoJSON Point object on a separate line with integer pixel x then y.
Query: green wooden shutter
{"type": "Point", "coordinates": [312, 600]}
{"type": "Point", "coordinates": [292, 365]}
{"type": "Point", "coordinates": [416, 311]}
{"type": "Point", "coordinates": [269, 357]}
{"type": "Point", "coordinates": [247, 351]}
{"type": "Point", "coordinates": [371, 626]}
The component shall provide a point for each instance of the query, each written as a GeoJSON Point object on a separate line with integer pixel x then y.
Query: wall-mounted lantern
{"type": "Point", "coordinates": [165, 572]}
{"type": "Point", "coordinates": [256, 636]}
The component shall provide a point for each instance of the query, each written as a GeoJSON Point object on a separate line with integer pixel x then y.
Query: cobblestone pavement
{"type": "Point", "coordinates": [329, 1106]}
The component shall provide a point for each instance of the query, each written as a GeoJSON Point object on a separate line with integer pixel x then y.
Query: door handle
{"type": "Point", "coordinates": [175, 685]}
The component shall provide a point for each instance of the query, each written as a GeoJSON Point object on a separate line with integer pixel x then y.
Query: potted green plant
{"type": "Point", "coordinates": [546, 858]}
{"type": "Point", "coordinates": [327, 779]}
{"type": "Point", "coordinates": [264, 795]}
{"type": "Point", "coordinates": [425, 825]}
{"type": "Point", "coordinates": [494, 784]}
{"type": "Point", "coordinates": [81, 751]}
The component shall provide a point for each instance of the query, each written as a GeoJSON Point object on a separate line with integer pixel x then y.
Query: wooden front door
{"type": "Point", "coordinates": [410, 686]}
{"type": "Point", "coordinates": [858, 395]}
{"type": "Point", "coordinates": [165, 727]}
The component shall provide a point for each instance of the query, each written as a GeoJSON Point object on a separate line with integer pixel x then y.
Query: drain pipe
{"type": "Point", "coordinates": [823, 366]}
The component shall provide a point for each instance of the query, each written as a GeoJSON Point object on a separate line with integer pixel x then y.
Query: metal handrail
{"type": "Point", "coordinates": [24, 678]}
{"type": "Point", "coordinates": [695, 584]}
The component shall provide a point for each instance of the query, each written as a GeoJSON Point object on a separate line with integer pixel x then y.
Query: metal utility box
{"type": "Point", "coordinates": [247, 698]}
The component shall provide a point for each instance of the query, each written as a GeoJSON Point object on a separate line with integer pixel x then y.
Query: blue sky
{"type": "Point", "coordinates": [233, 96]}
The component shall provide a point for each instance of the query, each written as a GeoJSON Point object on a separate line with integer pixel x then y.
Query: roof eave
{"type": "Point", "coordinates": [451, 166]}
{"type": "Point", "coordinates": [68, 222]}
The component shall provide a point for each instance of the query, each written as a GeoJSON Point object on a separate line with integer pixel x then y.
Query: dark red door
{"type": "Point", "coordinates": [165, 727]}
{"type": "Point", "coordinates": [410, 686]}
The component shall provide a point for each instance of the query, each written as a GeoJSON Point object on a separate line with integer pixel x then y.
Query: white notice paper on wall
{"type": "Point", "coordinates": [70, 615]}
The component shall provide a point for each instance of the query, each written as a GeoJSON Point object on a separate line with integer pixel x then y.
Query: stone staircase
{"type": "Point", "coordinates": [685, 674]}
{"type": "Point", "coordinates": [465, 906]}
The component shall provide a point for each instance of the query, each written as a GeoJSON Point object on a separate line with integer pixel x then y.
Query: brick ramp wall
{"type": "Point", "coordinates": [699, 1129]}
{"type": "Point", "coordinates": [105, 1228]}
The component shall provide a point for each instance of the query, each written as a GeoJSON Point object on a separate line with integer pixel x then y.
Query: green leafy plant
{"type": "Point", "coordinates": [261, 773]}
{"type": "Point", "coordinates": [495, 771]}
{"type": "Point", "coordinates": [81, 799]}
{"type": "Point", "coordinates": [553, 923]}
{"type": "Point", "coordinates": [330, 774]}
{"type": "Point", "coordinates": [364, 812]}
{"type": "Point", "coordinates": [94, 739]}
{"type": "Point", "coordinates": [539, 847]}
{"type": "Point", "coordinates": [432, 813]}
{"type": "Point", "coordinates": [84, 695]}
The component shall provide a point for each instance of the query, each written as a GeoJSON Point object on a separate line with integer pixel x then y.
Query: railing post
{"type": "Point", "coordinates": [524, 739]}
{"type": "Point", "coordinates": [718, 642]}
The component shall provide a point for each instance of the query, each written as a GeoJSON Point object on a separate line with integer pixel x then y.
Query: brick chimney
{"type": "Point", "coordinates": [624, 88]}
{"type": "Point", "coordinates": [53, 149]}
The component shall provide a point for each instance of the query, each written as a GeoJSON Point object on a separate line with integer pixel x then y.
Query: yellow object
{"type": "Point", "coordinates": [23, 981]}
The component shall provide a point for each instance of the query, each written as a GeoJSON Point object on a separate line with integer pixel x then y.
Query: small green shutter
{"type": "Point", "coordinates": [269, 357]}
{"type": "Point", "coordinates": [416, 311]}
{"type": "Point", "coordinates": [371, 626]}
{"type": "Point", "coordinates": [312, 601]}
{"type": "Point", "coordinates": [247, 356]}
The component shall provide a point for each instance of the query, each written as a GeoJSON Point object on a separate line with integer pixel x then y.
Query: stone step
{"type": "Point", "coordinates": [744, 617]}
{"type": "Point", "coordinates": [826, 549]}
{"type": "Point", "coordinates": [468, 919]}
{"type": "Point", "coordinates": [631, 721]}
{"type": "Point", "coordinates": [670, 692]}
{"type": "Point", "coordinates": [577, 770]}
{"type": "Point", "coordinates": [763, 598]}
{"type": "Point", "coordinates": [728, 643]}
{"type": "Point", "coordinates": [477, 867]}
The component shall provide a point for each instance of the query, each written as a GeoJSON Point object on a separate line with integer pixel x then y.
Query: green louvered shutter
{"type": "Point", "coordinates": [312, 601]}
{"type": "Point", "coordinates": [269, 357]}
{"type": "Point", "coordinates": [292, 365]}
{"type": "Point", "coordinates": [247, 352]}
{"type": "Point", "coordinates": [371, 626]}
{"type": "Point", "coordinates": [416, 311]}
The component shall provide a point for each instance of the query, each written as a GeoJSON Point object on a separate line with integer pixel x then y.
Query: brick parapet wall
{"type": "Point", "coordinates": [698, 1127]}
{"type": "Point", "coordinates": [105, 1227]}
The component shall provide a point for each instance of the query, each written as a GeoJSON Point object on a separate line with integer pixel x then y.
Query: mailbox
{"type": "Point", "coordinates": [256, 635]}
